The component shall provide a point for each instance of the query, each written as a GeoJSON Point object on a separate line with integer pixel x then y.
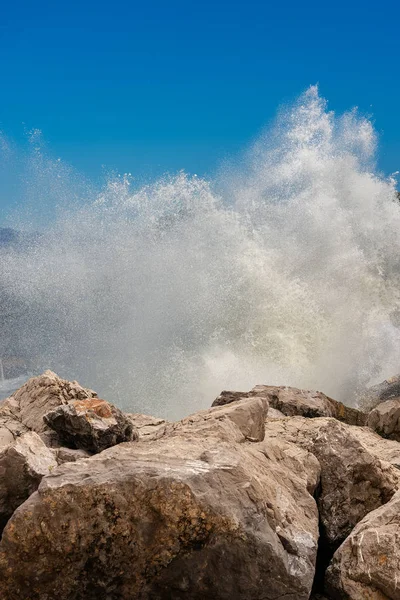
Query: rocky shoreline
{"type": "Point", "coordinates": [275, 493]}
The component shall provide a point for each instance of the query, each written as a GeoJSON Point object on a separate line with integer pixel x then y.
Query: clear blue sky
{"type": "Point", "coordinates": [148, 87]}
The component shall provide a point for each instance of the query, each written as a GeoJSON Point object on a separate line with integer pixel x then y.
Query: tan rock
{"type": "Point", "coordinates": [64, 455]}
{"type": "Point", "coordinates": [385, 419]}
{"type": "Point", "coordinates": [10, 429]}
{"type": "Point", "coordinates": [274, 413]}
{"type": "Point", "coordinates": [23, 463]}
{"type": "Point", "coordinates": [292, 401]}
{"type": "Point", "coordinates": [146, 425]}
{"type": "Point", "coordinates": [386, 450]}
{"type": "Point", "coordinates": [236, 422]}
{"type": "Point", "coordinates": [355, 476]}
{"type": "Point", "coordinates": [182, 516]}
{"type": "Point", "coordinates": [367, 564]}
{"type": "Point", "coordinates": [38, 396]}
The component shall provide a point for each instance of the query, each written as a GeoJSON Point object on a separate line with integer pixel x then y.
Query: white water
{"type": "Point", "coordinates": [283, 270]}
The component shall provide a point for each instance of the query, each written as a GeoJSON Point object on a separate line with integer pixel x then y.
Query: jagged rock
{"type": "Point", "coordinates": [292, 401]}
{"type": "Point", "coordinates": [240, 421]}
{"type": "Point", "coordinates": [91, 424]}
{"type": "Point", "coordinates": [182, 517]}
{"type": "Point", "coordinates": [367, 564]}
{"type": "Point", "coordinates": [146, 425]}
{"type": "Point", "coordinates": [23, 463]}
{"type": "Point", "coordinates": [38, 396]}
{"type": "Point", "coordinates": [376, 394]}
{"type": "Point", "coordinates": [355, 478]}
{"type": "Point", "coordinates": [385, 419]}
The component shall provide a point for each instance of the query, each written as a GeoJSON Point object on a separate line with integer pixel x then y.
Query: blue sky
{"type": "Point", "coordinates": [160, 86]}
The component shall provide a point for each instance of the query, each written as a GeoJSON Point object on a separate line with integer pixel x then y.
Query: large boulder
{"type": "Point", "coordinates": [180, 517]}
{"type": "Point", "coordinates": [367, 564]}
{"type": "Point", "coordinates": [293, 401]}
{"type": "Point", "coordinates": [23, 463]}
{"type": "Point", "coordinates": [356, 477]}
{"type": "Point", "coordinates": [92, 424]}
{"type": "Point", "coordinates": [38, 396]}
{"type": "Point", "coordinates": [385, 419]}
{"type": "Point", "coordinates": [240, 421]}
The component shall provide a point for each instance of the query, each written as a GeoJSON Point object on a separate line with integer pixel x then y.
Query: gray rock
{"type": "Point", "coordinates": [182, 517]}
{"type": "Point", "coordinates": [91, 424]}
{"type": "Point", "coordinates": [23, 463]}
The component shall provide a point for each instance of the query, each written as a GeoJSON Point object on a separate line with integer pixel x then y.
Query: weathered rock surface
{"type": "Point", "coordinates": [177, 518]}
{"type": "Point", "coordinates": [274, 413]}
{"type": "Point", "coordinates": [23, 463]}
{"type": "Point", "coordinates": [240, 421]}
{"type": "Point", "coordinates": [64, 454]}
{"type": "Point", "coordinates": [355, 478]}
{"type": "Point", "coordinates": [376, 394]}
{"type": "Point", "coordinates": [217, 505]}
{"type": "Point", "coordinates": [146, 425]}
{"type": "Point", "coordinates": [385, 419]}
{"type": "Point", "coordinates": [292, 401]}
{"type": "Point", "coordinates": [367, 564]}
{"type": "Point", "coordinates": [91, 424]}
{"type": "Point", "coordinates": [38, 396]}
{"type": "Point", "coordinates": [386, 450]}
{"type": "Point", "coordinates": [10, 429]}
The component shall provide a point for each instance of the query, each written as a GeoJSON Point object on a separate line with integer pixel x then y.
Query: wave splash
{"type": "Point", "coordinates": [282, 270]}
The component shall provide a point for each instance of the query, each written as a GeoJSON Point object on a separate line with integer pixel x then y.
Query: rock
{"type": "Point", "coordinates": [146, 425]}
{"type": "Point", "coordinates": [376, 394]}
{"type": "Point", "coordinates": [64, 455]}
{"type": "Point", "coordinates": [355, 476]}
{"type": "Point", "coordinates": [10, 429]}
{"type": "Point", "coordinates": [240, 421]}
{"type": "Point", "coordinates": [385, 419]}
{"type": "Point", "coordinates": [367, 564]}
{"type": "Point", "coordinates": [92, 424]}
{"type": "Point", "coordinates": [38, 396]}
{"type": "Point", "coordinates": [23, 463]}
{"type": "Point", "coordinates": [226, 397]}
{"type": "Point", "coordinates": [292, 401]}
{"type": "Point", "coordinates": [168, 520]}
{"type": "Point", "coordinates": [386, 450]}
{"type": "Point", "coordinates": [273, 413]}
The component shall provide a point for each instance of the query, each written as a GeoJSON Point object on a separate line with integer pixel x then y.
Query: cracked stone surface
{"type": "Point", "coordinates": [367, 564]}
{"type": "Point", "coordinates": [165, 520]}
